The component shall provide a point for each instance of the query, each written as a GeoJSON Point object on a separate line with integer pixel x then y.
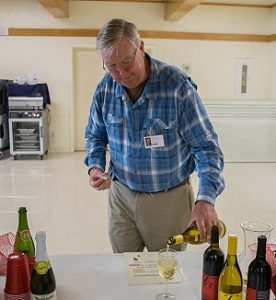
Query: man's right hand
{"type": "Point", "coordinates": [98, 179]}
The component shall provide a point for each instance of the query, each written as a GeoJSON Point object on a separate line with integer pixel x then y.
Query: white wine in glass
{"type": "Point", "coordinates": [166, 264]}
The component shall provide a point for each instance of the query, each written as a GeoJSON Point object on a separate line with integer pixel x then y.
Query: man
{"type": "Point", "coordinates": [141, 98]}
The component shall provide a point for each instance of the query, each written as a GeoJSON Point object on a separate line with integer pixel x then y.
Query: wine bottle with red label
{"type": "Point", "coordinates": [259, 274]}
{"type": "Point", "coordinates": [213, 262]}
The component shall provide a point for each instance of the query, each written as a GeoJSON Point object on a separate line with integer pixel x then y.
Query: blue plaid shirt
{"type": "Point", "coordinates": [170, 107]}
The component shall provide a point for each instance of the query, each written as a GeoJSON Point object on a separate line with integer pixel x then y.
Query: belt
{"type": "Point", "coordinates": [185, 181]}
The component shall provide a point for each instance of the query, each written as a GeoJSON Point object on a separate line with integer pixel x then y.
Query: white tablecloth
{"type": "Point", "coordinates": [103, 277]}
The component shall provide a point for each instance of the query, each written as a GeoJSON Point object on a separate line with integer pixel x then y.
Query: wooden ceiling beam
{"type": "Point", "coordinates": [58, 8]}
{"type": "Point", "coordinates": [176, 9]}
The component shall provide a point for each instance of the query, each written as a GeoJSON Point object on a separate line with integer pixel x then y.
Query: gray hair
{"type": "Point", "coordinates": [113, 32]}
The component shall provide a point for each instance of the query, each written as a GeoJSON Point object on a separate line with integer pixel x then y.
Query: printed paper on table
{"type": "Point", "coordinates": [141, 268]}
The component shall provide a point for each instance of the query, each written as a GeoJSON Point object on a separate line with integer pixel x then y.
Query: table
{"type": "Point", "coordinates": [102, 277]}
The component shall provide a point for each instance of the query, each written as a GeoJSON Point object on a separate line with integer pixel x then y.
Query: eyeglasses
{"type": "Point", "coordinates": [125, 64]}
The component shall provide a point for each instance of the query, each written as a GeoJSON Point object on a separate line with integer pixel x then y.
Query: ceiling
{"type": "Point", "coordinates": [173, 9]}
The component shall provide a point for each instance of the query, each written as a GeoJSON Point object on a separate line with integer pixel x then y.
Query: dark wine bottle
{"type": "Point", "coordinates": [259, 274]}
{"type": "Point", "coordinates": [213, 262]}
{"type": "Point", "coordinates": [43, 283]}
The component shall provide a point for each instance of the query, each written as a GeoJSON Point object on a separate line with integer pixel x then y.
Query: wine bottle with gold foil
{"type": "Point", "coordinates": [43, 283]}
{"type": "Point", "coordinates": [23, 240]}
{"type": "Point", "coordinates": [192, 236]}
{"type": "Point", "coordinates": [213, 262]}
{"type": "Point", "coordinates": [230, 279]}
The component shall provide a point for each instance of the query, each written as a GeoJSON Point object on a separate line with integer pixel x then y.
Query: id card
{"type": "Point", "coordinates": [153, 141]}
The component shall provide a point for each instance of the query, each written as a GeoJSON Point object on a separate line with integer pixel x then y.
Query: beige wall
{"type": "Point", "coordinates": [272, 72]}
{"type": "Point", "coordinates": [213, 62]}
{"type": "Point", "coordinates": [272, 23]}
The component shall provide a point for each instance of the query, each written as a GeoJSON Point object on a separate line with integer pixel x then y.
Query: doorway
{"type": "Point", "coordinates": [87, 72]}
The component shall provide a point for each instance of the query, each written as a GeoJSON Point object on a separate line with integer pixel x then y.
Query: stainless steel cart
{"type": "Point", "coordinates": [28, 126]}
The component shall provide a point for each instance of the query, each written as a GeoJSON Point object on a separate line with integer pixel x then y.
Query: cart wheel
{"type": "Point", "coordinates": [41, 157]}
{"type": "Point", "coordinates": [14, 158]}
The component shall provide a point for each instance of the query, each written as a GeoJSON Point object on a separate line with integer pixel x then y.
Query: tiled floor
{"type": "Point", "coordinates": [59, 200]}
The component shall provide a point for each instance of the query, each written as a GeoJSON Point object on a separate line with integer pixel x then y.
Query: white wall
{"type": "Point", "coordinates": [213, 62]}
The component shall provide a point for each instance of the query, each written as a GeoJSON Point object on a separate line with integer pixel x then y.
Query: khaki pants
{"type": "Point", "coordinates": [138, 220]}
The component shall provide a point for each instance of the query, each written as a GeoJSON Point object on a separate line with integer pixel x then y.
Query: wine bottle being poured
{"type": "Point", "coordinates": [192, 236]}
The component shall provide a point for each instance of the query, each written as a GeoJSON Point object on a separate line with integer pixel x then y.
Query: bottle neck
{"type": "Point", "coordinates": [214, 246]}
{"type": "Point", "coordinates": [261, 250]}
{"type": "Point", "coordinates": [232, 249]}
{"type": "Point", "coordinates": [231, 259]}
{"type": "Point", "coordinates": [215, 236]}
{"type": "Point", "coordinates": [23, 221]}
{"type": "Point", "coordinates": [41, 251]}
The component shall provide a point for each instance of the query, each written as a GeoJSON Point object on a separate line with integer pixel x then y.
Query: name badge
{"type": "Point", "coordinates": [153, 141]}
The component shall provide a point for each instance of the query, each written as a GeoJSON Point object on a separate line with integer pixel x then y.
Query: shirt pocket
{"type": "Point", "coordinates": [167, 128]}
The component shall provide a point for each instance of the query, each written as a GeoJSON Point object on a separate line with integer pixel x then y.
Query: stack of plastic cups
{"type": "Point", "coordinates": [18, 277]}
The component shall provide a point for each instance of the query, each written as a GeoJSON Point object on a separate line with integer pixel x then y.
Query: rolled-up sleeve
{"type": "Point", "coordinates": [200, 135]}
{"type": "Point", "coordinates": [96, 136]}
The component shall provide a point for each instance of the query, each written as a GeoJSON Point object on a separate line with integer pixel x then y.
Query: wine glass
{"type": "Point", "coordinates": [166, 265]}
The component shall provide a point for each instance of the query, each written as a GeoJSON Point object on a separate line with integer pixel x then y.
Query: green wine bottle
{"type": "Point", "coordinates": [230, 279]}
{"type": "Point", "coordinates": [23, 240]}
{"type": "Point", "coordinates": [43, 283]}
{"type": "Point", "coordinates": [192, 236]}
